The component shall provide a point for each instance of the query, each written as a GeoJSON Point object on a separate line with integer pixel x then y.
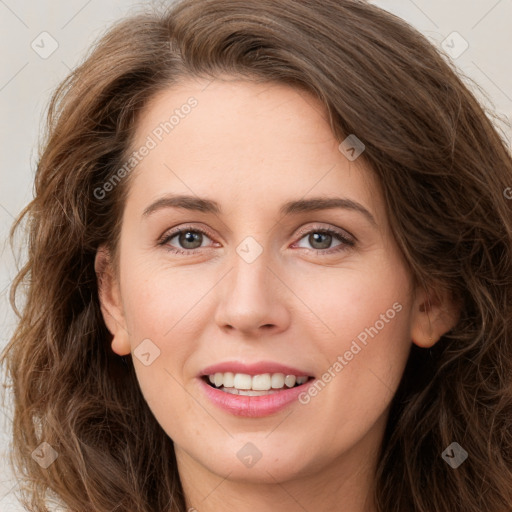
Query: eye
{"type": "Point", "coordinates": [320, 240]}
{"type": "Point", "coordinates": [191, 240]}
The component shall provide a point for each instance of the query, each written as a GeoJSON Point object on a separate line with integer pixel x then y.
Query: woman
{"type": "Point", "coordinates": [338, 334]}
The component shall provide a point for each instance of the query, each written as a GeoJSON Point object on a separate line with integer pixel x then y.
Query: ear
{"type": "Point", "coordinates": [435, 313]}
{"type": "Point", "coordinates": [110, 302]}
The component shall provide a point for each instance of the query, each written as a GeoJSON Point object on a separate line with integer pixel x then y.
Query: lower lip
{"type": "Point", "coordinates": [254, 406]}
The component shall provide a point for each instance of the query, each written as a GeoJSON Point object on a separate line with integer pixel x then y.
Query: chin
{"type": "Point", "coordinates": [254, 459]}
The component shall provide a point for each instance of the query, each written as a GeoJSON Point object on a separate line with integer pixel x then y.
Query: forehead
{"type": "Point", "coordinates": [239, 139]}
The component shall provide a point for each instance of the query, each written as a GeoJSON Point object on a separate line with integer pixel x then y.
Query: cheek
{"type": "Point", "coordinates": [343, 302]}
{"type": "Point", "coordinates": [365, 351]}
{"type": "Point", "coordinates": [160, 300]}
{"type": "Point", "coordinates": [354, 393]}
{"type": "Point", "coordinates": [160, 306]}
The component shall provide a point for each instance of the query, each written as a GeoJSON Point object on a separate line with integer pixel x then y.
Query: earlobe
{"type": "Point", "coordinates": [435, 313]}
{"type": "Point", "coordinates": [121, 344]}
{"type": "Point", "coordinates": [110, 302]}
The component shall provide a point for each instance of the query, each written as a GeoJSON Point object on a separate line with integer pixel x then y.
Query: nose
{"type": "Point", "coordinates": [252, 299]}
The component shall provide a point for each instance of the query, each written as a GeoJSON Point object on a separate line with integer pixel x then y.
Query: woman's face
{"type": "Point", "coordinates": [255, 292]}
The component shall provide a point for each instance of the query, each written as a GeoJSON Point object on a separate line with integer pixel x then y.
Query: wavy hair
{"type": "Point", "coordinates": [442, 167]}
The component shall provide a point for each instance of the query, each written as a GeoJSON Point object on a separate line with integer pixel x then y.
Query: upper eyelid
{"type": "Point", "coordinates": [340, 231]}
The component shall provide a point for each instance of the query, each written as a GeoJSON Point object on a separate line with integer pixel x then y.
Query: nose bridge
{"type": "Point", "coordinates": [251, 268]}
{"type": "Point", "coordinates": [251, 296]}
{"type": "Point", "coordinates": [250, 275]}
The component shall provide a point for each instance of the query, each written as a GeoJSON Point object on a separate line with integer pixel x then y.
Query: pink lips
{"type": "Point", "coordinates": [253, 369]}
{"type": "Point", "coordinates": [253, 406]}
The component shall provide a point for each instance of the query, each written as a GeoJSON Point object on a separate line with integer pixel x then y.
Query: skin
{"type": "Point", "coordinates": [252, 147]}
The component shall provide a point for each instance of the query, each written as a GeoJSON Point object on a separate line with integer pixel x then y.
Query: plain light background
{"type": "Point", "coordinates": [30, 29]}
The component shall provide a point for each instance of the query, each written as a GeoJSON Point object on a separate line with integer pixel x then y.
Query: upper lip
{"type": "Point", "coordinates": [253, 369]}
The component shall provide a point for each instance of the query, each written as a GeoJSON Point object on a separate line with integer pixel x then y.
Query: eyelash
{"type": "Point", "coordinates": [346, 241]}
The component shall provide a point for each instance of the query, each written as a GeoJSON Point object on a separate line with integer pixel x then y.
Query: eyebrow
{"type": "Point", "coordinates": [194, 203]}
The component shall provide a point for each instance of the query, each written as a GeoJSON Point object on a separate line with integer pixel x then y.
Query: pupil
{"type": "Point", "coordinates": [325, 244]}
{"type": "Point", "coordinates": [189, 237]}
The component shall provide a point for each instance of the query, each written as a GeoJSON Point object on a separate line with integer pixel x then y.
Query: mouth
{"type": "Point", "coordinates": [263, 384]}
{"type": "Point", "coordinates": [254, 390]}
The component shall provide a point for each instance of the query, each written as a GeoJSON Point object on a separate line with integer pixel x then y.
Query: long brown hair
{"type": "Point", "coordinates": [443, 169]}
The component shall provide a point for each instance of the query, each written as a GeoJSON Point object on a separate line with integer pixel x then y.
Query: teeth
{"type": "Point", "coordinates": [277, 380]}
{"type": "Point", "coordinates": [218, 379]}
{"type": "Point", "coordinates": [247, 384]}
{"type": "Point", "coordinates": [289, 380]}
{"type": "Point", "coordinates": [229, 380]}
{"type": "Point", "coordinates": [241, 381]}
{"type": "Point", "coordinates": [245, 392]}
{"type": "Point", "coordinates": [261, 382]}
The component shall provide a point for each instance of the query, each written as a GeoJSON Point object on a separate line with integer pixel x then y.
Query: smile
{"type": "Point", "coordinates": [254, 385]}
{"type": "Point", "coordinates": [255, 390]}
